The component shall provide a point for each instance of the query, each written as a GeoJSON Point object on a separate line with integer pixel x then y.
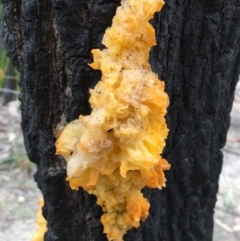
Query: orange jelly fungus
{"type": "Point", "coordinates": [115, 151]}
{"type": "Point", "coordinates": [41, 223]}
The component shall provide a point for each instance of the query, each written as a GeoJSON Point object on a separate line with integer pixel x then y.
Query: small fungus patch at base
{"type": "Point", "coordinates": [41, 224]}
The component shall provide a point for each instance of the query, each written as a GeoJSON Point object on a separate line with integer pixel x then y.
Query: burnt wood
{"type": "Point", "coordinates": [197, 55]}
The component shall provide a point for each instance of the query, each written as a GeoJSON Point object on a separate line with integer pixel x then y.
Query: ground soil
{"type": "Point", "coordinates": [19, 193]}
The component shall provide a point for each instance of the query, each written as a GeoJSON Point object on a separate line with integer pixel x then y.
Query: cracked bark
{"type": "Point", "coordinates": [197, 55]}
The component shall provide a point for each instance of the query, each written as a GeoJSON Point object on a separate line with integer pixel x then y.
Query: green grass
{"type": "Point", "coordinates": [4, 60]}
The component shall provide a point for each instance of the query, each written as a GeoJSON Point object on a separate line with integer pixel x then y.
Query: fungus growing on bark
{"type": "Point", "coordinates": [115, 151]}
{"type": "Point", "coordinates": [41, 223]}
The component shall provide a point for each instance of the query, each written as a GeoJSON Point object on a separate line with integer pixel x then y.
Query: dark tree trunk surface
{"type": "Point", "coordinates": [197, 55]}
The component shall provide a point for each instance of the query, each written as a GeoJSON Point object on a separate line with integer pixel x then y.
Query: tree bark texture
{"type": "Point", "coordinates": [197, 55]}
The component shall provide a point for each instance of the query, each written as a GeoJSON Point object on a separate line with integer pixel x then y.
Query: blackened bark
{"type": "Point", "coordinates": [197, 55]}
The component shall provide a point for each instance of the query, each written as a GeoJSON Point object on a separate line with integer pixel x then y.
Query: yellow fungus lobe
{"type": "Point", "coordinates": [116, 150]}
{"type": "Point", "coordinates": [41, 223]}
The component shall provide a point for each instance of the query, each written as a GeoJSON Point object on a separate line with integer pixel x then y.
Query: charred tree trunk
{"type": "Point", "coordinates": [197, 55]}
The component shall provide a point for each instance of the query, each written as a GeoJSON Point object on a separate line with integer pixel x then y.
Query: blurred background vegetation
{"type": "Point", "coordinates": [9, 91]}
{"type": "Point", "coordinates": [8, 74]}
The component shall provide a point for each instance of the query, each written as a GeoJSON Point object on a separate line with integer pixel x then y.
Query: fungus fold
{"type": "Point", "coordinates": [116, 150]}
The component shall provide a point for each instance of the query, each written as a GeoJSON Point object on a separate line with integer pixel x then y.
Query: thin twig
{"type": "Point", "coordinates": [225, 149]}
{"type": "Point", "coordinates": [15, 92]}
{"type": "Point", "coordinates": [224, 226]}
